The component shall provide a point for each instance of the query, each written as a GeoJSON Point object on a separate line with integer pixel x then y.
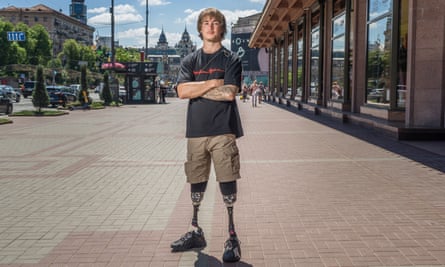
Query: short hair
{"type": "Point", "coordinates": [216, 14]}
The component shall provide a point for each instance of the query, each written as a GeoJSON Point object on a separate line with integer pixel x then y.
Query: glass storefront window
{"type": "Point", "coordinates": [338, 57]}
{"type": "Point", "coordinates": [315, 53]}
{"type": "Point", "coordinates": [402, 54]}
{"type": "Point", "coordinates": [315, 63]}
{"type": "Point", "coordinates": [379, 54]}
{"type": "Point", "coordinates": [300, 54]}
{"type": "Point", "coordinates": [289, 70]}
{"type": "Point", "coordinates": [135, 90]}
{"type": "Point", "coordinates": [379, 8]}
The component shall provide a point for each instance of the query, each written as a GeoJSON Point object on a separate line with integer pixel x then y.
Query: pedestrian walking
{"type": "Point", "coordinates": [254, 91]}
{"type": "Point", "coordinates": [210, 78]}
{"type": "Point", "coordinates": [245, 89]}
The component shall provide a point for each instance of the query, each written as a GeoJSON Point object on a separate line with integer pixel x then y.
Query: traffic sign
{"type": "Point", "coordinates": [16, 36]}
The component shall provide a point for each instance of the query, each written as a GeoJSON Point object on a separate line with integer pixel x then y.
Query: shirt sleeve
{"type": "Point", "coordinates": [233, 71]}
{"type": "Point", "coordinates": [186, 70]}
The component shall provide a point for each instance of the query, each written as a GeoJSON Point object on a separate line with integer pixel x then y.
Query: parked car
{"type": "Point", "coordinates": [10, 92]}
{"type": "Point", "coordinates": [75, 88]}
{"type": "Point", "coordinates": [28, 88]}
{"type": "Point", "coordinates": [60, 95]}
{"type": "Point", "coordinates": [6, 105]}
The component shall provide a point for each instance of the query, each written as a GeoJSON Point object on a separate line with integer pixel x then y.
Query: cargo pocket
{"type": "Point", "coordinates": [197, 170]}
{"type": "Point", "coordinates": [227, 163]}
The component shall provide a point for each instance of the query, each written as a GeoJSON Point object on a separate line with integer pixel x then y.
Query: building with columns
{"type": "Point", "coordinates": [377, 63]}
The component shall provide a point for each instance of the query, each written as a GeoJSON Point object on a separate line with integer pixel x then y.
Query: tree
{"type": "Point", "coordinates": [71, 51]}
{"type": "Point", "coordinates": [41, 52]}
{"type": "Point", "coordinates": [40, 96]}
{"type": "Point", "coordinates": [127, 55]}
{"type": "Point", "coordinates": [29, 43]}
{"type": "Point", "coordinates": [5, 55]}
{"type": "Point", "coordinates": [106, 93]}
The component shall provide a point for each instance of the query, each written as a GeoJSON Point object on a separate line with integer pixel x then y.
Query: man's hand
{"type": "Point", "coordinates": [222, 93]}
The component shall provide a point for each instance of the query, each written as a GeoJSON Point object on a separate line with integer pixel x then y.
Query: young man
{"type": "Point", "coordinates": [210, 78]}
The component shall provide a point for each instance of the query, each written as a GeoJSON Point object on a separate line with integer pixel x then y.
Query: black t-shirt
{"type": "Point", "coordinates": [207, 117]}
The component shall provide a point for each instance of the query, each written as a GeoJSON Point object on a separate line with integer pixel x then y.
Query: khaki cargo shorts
{"type": "Point", "coordinates": [221, 150]}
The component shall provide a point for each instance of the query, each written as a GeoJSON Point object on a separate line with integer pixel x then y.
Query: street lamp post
{"type": "Point", "coordinates": [113, 57]}
{"type": "Point", "coordinates": [146, 27]}
{"type": "Point", "coordinates": [112, 34]}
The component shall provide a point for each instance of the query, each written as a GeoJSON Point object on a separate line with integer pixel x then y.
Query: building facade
{"type": "Point", "coordinates": [185, 46]}
{"type": "Point", "coordinates": [379, 63]}
{"type": "Point", "coordinates": [59, 26]}
{"type": "Point", "coordinates": [254, 60]}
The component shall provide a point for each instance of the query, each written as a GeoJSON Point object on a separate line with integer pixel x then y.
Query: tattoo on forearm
{"type": "Point", "coordinates": [221, 93]}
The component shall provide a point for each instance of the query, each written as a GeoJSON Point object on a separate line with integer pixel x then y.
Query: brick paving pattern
{"type": "Point", "coordinates": [107, 188]}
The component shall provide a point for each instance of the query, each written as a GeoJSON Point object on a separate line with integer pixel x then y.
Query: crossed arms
{"type": "Point", "coordinates": [211, 89]}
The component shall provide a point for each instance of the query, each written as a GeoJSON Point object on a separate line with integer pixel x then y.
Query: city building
{"type": "Point", "coordinates": [254, 60]}
{"type": "Point", "coordinates": [78, 10]}
{"type": "Point", "coordinates": [185, 46]}
{"type": "Point", "coordinates": [59, 26]}
{"type": "Point", "coordinates": [377, 63]}
{"type": "Point", "coordinates": [169, 58]}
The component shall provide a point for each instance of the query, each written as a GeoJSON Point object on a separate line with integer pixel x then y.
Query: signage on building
{"type": "Point", "coordinates": [141, 67]}
{"type": "Point", "coordinates": [253, 59]}
{"type": "Point", "coordinates": [16, 36]}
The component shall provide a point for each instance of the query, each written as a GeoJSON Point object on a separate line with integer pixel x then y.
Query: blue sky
{"type": "Point", "coordinates": [171, 15]}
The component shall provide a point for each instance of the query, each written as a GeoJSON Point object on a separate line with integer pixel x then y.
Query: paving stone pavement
{"type": "Point", "coordinates": [107, 188]}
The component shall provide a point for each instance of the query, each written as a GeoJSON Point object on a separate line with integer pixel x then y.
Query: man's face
{"type": "Point", "coordinates": [211, 29]}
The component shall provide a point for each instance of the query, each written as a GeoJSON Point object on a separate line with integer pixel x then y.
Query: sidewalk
{"type": "Point", "coordinates": [107, 188]}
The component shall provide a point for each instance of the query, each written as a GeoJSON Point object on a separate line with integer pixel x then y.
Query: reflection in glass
{"type": "Point", "coordinates": [282, 62]}
{"type": "Point", "coordinates": [338, 57]}
{"type": "Point", "coordinates": [378, 8]}
{"type": "Point", "coordinates": [315, 62]}
{"type": "Point", "coordinates": [378, 64]}
{"type": "Point", "coordinates": [299, 92]}
{"type": "Point", "coordinates": [402, 54]}
{"type": "Point", "coordinates": [290, 70]}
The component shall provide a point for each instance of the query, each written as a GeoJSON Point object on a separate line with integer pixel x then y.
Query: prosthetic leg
{"type": "Point", "coordinates": [232, 250]}
{"type": "Point", "coordinates": [197, 194]}
{"type": "Point", "coordinates": [194, 238]}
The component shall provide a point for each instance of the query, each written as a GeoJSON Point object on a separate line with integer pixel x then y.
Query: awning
{"type": "Point", "coordinates": [109, 66]}
{"type": "Point", "coordinates": [277, 14]}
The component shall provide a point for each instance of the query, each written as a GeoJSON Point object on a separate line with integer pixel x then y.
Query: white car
{"type": "Point", "coordinates": [10, 92]}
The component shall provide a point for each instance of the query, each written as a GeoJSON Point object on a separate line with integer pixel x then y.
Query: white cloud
{"type": "Point", "coordinates": [98, 10]}
{"type": "Point", "coordinates": [123, 14]}
{"type": "Point", "coordinates": [154, 2]}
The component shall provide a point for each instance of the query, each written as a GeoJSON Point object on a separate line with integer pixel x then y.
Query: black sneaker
{"type": "Point", "coordinates": [190, 240]}
{"type": "Point", "coordinates": [232, 250]}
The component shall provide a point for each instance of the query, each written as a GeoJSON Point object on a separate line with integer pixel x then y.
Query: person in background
{"type": "Point", "coordinates": [253, 90]}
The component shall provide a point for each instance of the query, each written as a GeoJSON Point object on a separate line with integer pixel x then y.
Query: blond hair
{"type": "Point", "coordinates": [213, 13]}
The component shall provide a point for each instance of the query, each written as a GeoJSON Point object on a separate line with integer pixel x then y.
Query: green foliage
{"type": "Point", "coordinates": [106, 92]}
{"type": "Point", "coordinates": [71, 50]}
{"type": "Point", "coordinates": [35, 50]}
{"type": "Point", "coordinates": [127, 55]}
{"type": "Point", "coordinates": [41, 52]}
{"type": "Point", "coordinates": [4, 43]}
{"type": "Point", "coordinates": [40, 98]}
{"type": "Point", "coordinates": [41, 113]}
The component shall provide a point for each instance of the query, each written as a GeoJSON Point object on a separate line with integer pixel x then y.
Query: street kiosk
{"type": "Point", "coordinates": [141, 83]}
